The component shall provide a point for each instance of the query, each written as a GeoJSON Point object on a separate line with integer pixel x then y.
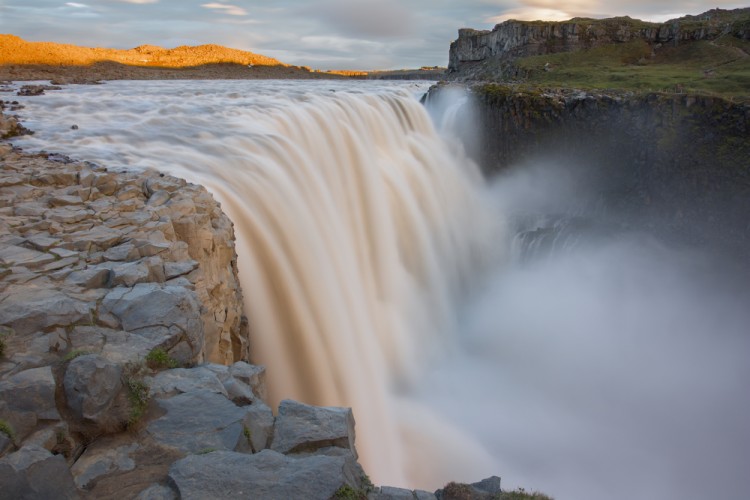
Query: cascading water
{"type": "Point", "coordinates": [603, 364]}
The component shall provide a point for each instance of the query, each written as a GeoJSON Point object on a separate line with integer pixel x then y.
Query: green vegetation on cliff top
{"type": "Point", "coordinates": [720, 67]}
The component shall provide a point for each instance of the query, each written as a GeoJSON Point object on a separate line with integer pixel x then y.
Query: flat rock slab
{"type": "Point", "coordinates": [198, 421]}
{"type": "Point", "coordinates": [267, 475]}
{"type": "Point", "coordinates": [303, 428]}
{"type": "Point", "coordinates": [30, 309]}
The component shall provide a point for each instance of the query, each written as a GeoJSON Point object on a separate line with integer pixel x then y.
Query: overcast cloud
{"type": "Point", "coordinates": [324, 34]}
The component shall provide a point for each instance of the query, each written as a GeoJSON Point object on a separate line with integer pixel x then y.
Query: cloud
{"type": "Point", "coordinates": [76, 5]}
{"type": "Point", "coordinates": [225, 8]}
{"type": "Point", "coordinates": [138, 1]}
{"type": "Point", "coordinates": [365, 18]}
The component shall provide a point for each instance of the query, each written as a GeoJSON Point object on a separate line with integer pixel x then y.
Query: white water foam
{"type": "Point", "coordinates": [613, 370]}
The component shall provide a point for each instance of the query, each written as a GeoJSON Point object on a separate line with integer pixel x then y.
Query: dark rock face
{"type": "Point", "coordinates": [513, 39]}
{"type": "Point", "coordinates": [679, 161]}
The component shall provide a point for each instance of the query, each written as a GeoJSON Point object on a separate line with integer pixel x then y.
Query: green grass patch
{"type": "Point", "coordinates": [720, 67]}
{"type": "Point", "coordinates": [75, 353]}
{"type": "Point", "coordinates": [6, 429]}
{"type": "Point", "coordinates": [158, 359]}
{"type": "Point", "coordinates": [138, 397]}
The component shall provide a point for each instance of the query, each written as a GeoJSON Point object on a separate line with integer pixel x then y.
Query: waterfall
{"type": "Point", "coordinates": [358, 228]}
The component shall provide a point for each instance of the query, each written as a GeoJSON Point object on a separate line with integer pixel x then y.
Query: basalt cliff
{"type": "Point", "coordinates": [672, 160]}
{"type": "Point", "coordinates": [489, 54]}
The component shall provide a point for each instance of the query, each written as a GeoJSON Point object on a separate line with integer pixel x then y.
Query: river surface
{"type": "Point", "coordinates": [381, 271]}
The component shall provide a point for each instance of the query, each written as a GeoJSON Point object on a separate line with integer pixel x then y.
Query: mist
{"type": "Point", "coordinates": [608, 362]}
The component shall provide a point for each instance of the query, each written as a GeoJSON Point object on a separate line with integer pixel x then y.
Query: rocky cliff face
{"type": "Point", "coordinates": [513, 39]}
{"type": "Point", "coordinates": [677, 161]}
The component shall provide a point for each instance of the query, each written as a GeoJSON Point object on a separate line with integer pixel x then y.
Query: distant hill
{"type": "Point", "coordinates": [15, 50]}
{"type": "Point", "coordinates": [709, 52]}
{"type": "Point", "coordinates": [64, 63]}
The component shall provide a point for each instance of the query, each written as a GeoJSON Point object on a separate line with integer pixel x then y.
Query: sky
{"type": "Point", "coordinates": [322, 34]}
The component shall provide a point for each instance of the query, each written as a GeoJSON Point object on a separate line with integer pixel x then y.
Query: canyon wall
{"type": "Point", "coordinates": [680, 160]}
{"type": "Point", "coordinates": [513, 39]}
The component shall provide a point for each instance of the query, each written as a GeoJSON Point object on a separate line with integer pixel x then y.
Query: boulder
{"type": "Point", "coordinates": [198, 421]}
{"type": "Point", "coordinates": [33, 472]}
{"type": "Point", "coordinates": [91, 385]}
{"type": "Point", "coordinates": [28, 397]}
{"type": "Point", "coordinates": [303, 428]}
{"type": "Point", "coordinates": [267, 475]}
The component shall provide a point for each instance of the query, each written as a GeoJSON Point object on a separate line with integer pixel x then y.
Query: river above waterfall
{"type": "Point", "coordinates": [379, 272]}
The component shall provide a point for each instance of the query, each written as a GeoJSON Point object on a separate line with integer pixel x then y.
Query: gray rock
{"type": "Point", "coordinates": [252, 375]}
{"type": "Point", "coordinates": [158, 198]}
{"type": "Point", "coordinates": [424, 495]}
{"type": "Point", "coordinates": [181, 380]}
{"type": "Point", "coordinates": [65, 200]}
{"type": "Point", "coordinates": [5, 443]}
{"type": "Point", "coordinates": [91, 385]}
{"type": "Point", "coordinates": [392, 493]}
{"type": "Point", "coordinates": [28, 309]}
{"type": "Point", "coordinates": [26, 398]}
{"type": "Point", "coordinates": [175, 269]}
{"type": "Point", "coordinates": [258, 423]}
{"type": "Point", "coordinates": [93, 277]}
{"type": "Point", "coordinates": [12, 255]}
{"type": "Point", "coordinates": [489, 485]}
{"type": "Point", "coordinates": [198, 421]}
{"type": "Point", "coordinates": [101, 459]}
{"type": "Point", "coordinates": [34, 473]}
{"type": "Point", "coordinates": [124, 251]}
{"type": "Point", "coordinates": [130, 273]}
{"type": "Point", "coordinates": [304, 428]}
{"type": "Point", "coordinates": [41, 242]}
{"type": "Point", "coordinates": [99, 236]}
{"type": "Point", "coordinates": [157, 492]}
{"type": "Point", "coordinates": [267, 475]}
{"type": "Point", "coordinates": [150, 304]}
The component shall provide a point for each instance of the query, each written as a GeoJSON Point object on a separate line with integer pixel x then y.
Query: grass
{"type": "Point", "coordinates": [138, 392]}
{"type": "Point", "coordinates": [522, 494]}
{"type": "Point", "coordinates": [347, 492]}
{"type": "Point", "coordinates": [6, 429]}
{"type": "Point", "coordinates": [4, 333]}
{"type": "Point", "coordinates": [75, 353]}
{"type": "Point", "coordinates": [720, 67]}
{"type": "Point", "coordinates": [461, 491]}
{"type": "Point", "coordinates": [158, 359]}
